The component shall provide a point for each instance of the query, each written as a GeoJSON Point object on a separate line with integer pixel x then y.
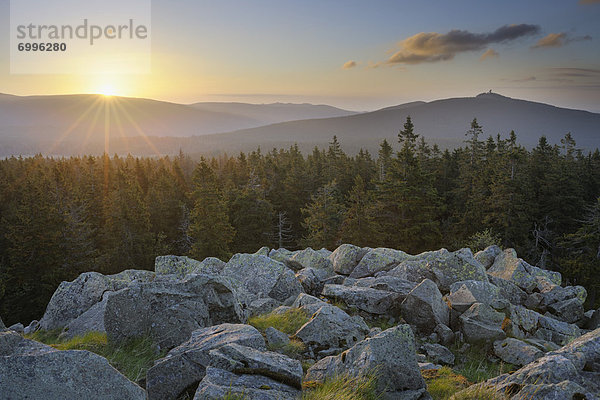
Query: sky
{"type": "Point", "coordinates": [355, 54]}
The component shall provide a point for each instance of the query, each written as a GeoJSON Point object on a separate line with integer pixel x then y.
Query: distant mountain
{"type": "Point", "coordinates": [68, 124]}
{"type": "Point", "coordinates": [41, 124]}
{"type": "Point", "coordinates": [443, 121]}
{"type": "Point", "coordinates": [275, 112]}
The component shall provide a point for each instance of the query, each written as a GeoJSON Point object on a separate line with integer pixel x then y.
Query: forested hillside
{"type": "Point", "coordinates": [61, 217]}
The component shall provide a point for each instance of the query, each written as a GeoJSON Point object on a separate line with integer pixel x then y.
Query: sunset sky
{"type": "Point", "coordinates": [354, 54]}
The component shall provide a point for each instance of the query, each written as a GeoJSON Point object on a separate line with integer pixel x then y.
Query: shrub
{"type": "Point", "coordinates": [482, 239]}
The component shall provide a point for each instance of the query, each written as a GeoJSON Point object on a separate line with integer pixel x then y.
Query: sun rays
{"type": "Point", "coordinates": [105, 123]}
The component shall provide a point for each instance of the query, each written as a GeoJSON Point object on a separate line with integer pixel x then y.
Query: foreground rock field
{"type": "Point", "coordinates": [378, 312]}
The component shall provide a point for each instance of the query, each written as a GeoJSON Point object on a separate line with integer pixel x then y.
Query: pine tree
{"type": "Point", "coordinates": [359, 225]}
{"type": "Point", "coordinates": [209, 226]}
{"type": "Point", "coordinates": [323, 217]}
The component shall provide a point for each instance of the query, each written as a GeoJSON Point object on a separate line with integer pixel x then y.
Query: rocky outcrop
{"type": "Point", "coordinates": [186, 364]}
{"type": "Point", "coordinates": [390, 353]}
{"type": "Point", "coordinates": [30, 370]}
{"type": "Point", "coordinates": [171, 310]}
{"type": "Point", "coordinates": [518, 312]}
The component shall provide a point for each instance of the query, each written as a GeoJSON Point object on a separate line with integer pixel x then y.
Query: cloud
{"type": "Point", "coordinates": [349, 64]}
{"type": "Point", "coordinates": [589, 1]}
{"type": "Point", "coordinates": [558, 40]}
{"type": "Point", "coordinates": [489, 53]}
{"type": "Point", "coordinates": [433, 46]}
{"type": "Point", "coordinates": [551, 40]}
{"type": "Point", "coordinates": [576, 72]}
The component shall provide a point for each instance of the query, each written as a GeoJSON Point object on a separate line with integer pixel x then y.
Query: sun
{"type": "Point", "coordinates": [107, 91]}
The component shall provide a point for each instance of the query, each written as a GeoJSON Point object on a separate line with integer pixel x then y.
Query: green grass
{"type": "Point", "coordinates": [478, 393]}
{"type": "Point", "coordinates": [131, 358]}
{"type": "Point", "coordinates": [383, 323]}
{"type": "Point", "coordinates": [443, 383]}
{"type": "Point", "coordinates": [293, 349]}
{"type": "Point", "coordinates": [475, 366]}
{"type": "Point", "coordinates": [288, 322]}
{"type": "Point", "coordinates": [343, 387]}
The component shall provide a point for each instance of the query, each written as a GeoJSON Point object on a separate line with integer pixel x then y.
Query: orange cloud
{"type": "Point", "coordinates": [489, 53]}
{"type": "Point", "coordinates": [349, 64]}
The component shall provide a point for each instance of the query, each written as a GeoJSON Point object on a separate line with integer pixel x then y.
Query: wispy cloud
{"type": "Point", "coordinates": [349, 64]}
{"type": "Point", "coordinates": [576, 72]}
{"type": "Point", "coordinates": [489, 53]}
{"type": "Point", "coordinates": [432, 46]}
{"type": "Point", "coordinates": [520, 80]}
{"type": "Point", "coordinates": [558, 40]}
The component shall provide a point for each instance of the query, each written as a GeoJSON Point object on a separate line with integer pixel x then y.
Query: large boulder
{"type": "Point", "coordinates": [511, 268]}
{"type": "Point", "coordinates": [346, 257]}
{"type": "Point", "coordinates": [257, 276]}
{"type": "Point", "coordinates": [385, 283]}
{"type": "Point", "coordinates": [516, 352]}
{"type": "Point", "coordinates": [71, 299]}
{"type": "Point", "coordinates": [509, 290]}
{"type": "Point", "coordinates": [424, 307]}
{"type": "Point", "coordinates": [91, 320]}
{"type": "Point", "coordinates": [456, 266]}
{"type": "Point", "coordinates": [30, 370]}
{"type": "Point", "coordinates": [372, 301]}
{"type": "Point", "coordinates": [391, 354]}
{"type": "Point", "coordinates": [171, 310]}
{"type": "Point", "coordinates": [309, 258]}
{"type": "Point", "coordinates": [240, 359]}
{"type": "Point", "coordinates": [330, 327]}
{"type": "Point", "coordinates": [466, 293]}
{"type": "Point", "coordinates": [220, 384]}
{"type": "Point", "coordinates": [186, 364]}
{"type": "Point", "coordinates": [441, 266]}
{"type": "Point", "coordinates": [313, 279]}
{"type": "Point", "coordinates": [570, 311]}
{"type": "Point", "coordinates": [176, 265]}
{"type": "Point", "coordinates": [481, 324]}
{"type": "Point", "coordinates": [379, 259]}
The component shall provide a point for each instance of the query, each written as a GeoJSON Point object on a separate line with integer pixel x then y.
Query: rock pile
{"type": "Point", "coordinates": [196, 311]}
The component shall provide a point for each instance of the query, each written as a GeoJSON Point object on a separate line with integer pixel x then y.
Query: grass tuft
{"type": "Point", "coordinates": [343, 387]}
{"type": "Point", "coordinates": [443, 383]}
{"type": "Point", "coordinates": [475, 366]}
{"type": "Point", "coordinates": [288, 322]}
{"type": "Point", "coordinates": [132, 358]}
{"type": "Point", "coordinates": [293, 349]}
